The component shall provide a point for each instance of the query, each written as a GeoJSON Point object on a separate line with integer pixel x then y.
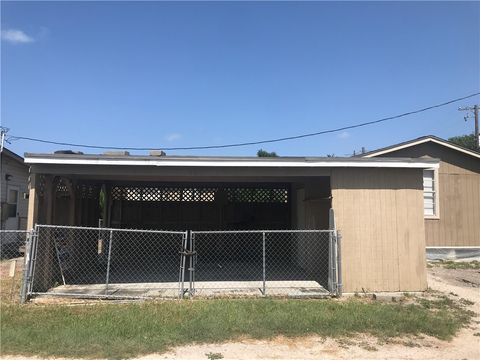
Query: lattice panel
{"type": "Point", "coordinates": [199, 195]}
{"type": "Point", "coordinates": [61, 189]}
{"type": "Point", "coordinates": [41, 186]}
{"type": "Point", "coordinates": [257, 195]}
{"type": "Point", "coordinates": [87, 191]}
{"type": "Point", "coordinates": [166, 194]}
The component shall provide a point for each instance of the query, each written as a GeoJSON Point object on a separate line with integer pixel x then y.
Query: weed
{"type": "Point", "coordinates": [214, 356]}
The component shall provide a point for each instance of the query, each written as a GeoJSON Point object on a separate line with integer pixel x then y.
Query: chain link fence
{"type": "Point", "coordinates": [116, 263]}
{"type": "Point", "coordinates": [282, 262]}
{"type": "Point", "coordinates": [12, 243]}
{"type": "Point", "coordinates": [108, 263]}
{"type": "Point", "coordinates": [12, 248]}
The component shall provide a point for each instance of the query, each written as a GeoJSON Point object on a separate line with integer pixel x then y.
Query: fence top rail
{"type": "Point", "coordinates": [174, 232]}
{"type": "Point", "coordinates": [14, 231]}
{"type": "Point", "coordinates": [109, 229]}
{"type": "Point", "coordinates": [261, 231]}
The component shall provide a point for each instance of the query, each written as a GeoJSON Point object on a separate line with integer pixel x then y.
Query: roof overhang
{"type": "Point", "coordinates": [229, 162]}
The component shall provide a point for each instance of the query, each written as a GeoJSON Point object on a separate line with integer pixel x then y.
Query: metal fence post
{"type": "Point", "coordinates": [191, 269]}
{"type": "Point", "coordinates": [331, 259]}
{"type": "Point", "coordinates": [26, 267]}
{"type": "Point", "coordinates": [332, 279]}
{"type": "Point", "coordinates": [108, 261]}
{"type": "Point", "coordinates": [335, 262]}
{"type": "Point", "coordinates": [33, 259]}
{"type": "Point", "coordinates": [181, 276]}
{"type": "Point", "coordinates": [339, 264]}
{"type": "Point", "coordinates": [264, 266]}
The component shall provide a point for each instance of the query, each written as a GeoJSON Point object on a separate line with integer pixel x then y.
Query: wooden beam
{"type": "Point", "coordinates": [32, 201]}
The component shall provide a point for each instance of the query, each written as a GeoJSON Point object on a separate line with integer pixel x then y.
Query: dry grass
{"type": "Point", "coordinates": [128, 330]}
{"type": "Point", "coordinates": [449, 264]}
{"type": "Point", "coordinates": [10, 286]}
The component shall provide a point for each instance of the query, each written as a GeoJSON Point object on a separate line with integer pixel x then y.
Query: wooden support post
{"type": "Point", "coordinates": [32, 201]}
{"type": "Point", "coordinates": [46, 253]}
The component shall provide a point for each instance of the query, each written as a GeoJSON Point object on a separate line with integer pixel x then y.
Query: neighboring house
{"type": "Point", "coordinates": [378, 206]}
{"type": "Point", "coordinates": [13, 188]}
{"type": "Point", "coordinates": [451, 194]}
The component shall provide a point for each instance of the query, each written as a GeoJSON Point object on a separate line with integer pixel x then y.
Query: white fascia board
{"type": "Point", "coordinates": [386, 151]}
{"type": "Point", "coordinates": [232, 163]}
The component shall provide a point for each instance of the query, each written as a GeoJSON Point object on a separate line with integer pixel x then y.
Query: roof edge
{"type": "Point", "coordinates": [231, 162]}
{"type": "Point", "coordinates": [418, 141]}
{"type": "Point", "coordinates": [13, 155]}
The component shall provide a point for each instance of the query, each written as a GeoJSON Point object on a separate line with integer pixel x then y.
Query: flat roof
{"type": "Point", "coordinates": [226, 161]}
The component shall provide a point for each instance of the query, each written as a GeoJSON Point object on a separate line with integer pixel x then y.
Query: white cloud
{"type": "Point", "coordinates": [343, 135]}
{"type": "Point", "coordinates": [15, 36]}
{"type": "Point", "coordinates": [173, 137]}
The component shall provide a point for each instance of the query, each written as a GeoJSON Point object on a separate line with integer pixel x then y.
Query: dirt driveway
{"type": "Point", "coordinates": [456, 283]}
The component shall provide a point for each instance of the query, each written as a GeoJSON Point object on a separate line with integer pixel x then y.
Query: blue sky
{"type": "Point", "coordinates": [158, 74]}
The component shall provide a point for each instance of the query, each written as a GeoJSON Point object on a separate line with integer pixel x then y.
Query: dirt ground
{"type": "Point", "coordinates": [10, 286]}
{"type": "Point", "coordinates": [466, 346]}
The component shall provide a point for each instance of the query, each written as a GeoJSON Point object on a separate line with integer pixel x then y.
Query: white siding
{"type": "Point", "coordinates": [18, 177]}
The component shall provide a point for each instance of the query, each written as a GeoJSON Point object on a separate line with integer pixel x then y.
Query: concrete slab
{"type": "Point", "coordinates": [205, 289]}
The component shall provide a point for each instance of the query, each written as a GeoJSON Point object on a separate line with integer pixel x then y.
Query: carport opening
{"type": "Point", "coordinates": [231, 206]}
{"type": "Point", "coordinates": [221, 257]}
{"type": "Point", "coordinates": [201, 207]}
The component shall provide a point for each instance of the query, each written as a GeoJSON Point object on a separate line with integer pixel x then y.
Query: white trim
{"type": "Point", "coordinates": [235, 163]}
{"type": "Point", "coordinates": [436, 192]}
{"type": "Point", "coordinates": [386, 151]}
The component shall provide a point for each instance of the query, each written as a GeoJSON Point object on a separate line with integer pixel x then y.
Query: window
{"type": "Point", "coordinates": [429, 193]}
{"type": "Point", "coordinates": [12, 203]}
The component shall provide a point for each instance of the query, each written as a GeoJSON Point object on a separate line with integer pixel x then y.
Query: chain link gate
{"type": "Point", "coordinates": [272, 262]}
{"type": "Point", "coordinates": [94, 262]}
{"type": "Point", "coordinates": [88, 262]}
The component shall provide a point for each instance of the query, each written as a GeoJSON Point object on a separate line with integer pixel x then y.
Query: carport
{"type": "Point", "coordinates": [216, 222]}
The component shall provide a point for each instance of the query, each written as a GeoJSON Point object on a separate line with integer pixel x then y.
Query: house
{"type": "Point", "coordinates": [451, 194]}
{"type": "Point", "coordinates": [377, 205]}
{"type": "Point", "coordinates": [14, 185]}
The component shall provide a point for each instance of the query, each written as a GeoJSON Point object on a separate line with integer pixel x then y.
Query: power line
{"type": "Point", "coordinates": [251, 142]}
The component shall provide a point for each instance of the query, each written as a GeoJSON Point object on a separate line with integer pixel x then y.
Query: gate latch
{"type": "Point", "coordinates": [188, 253]}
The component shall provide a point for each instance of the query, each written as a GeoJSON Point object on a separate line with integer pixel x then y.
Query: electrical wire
{"type": "Point", "coordinates": [259, 142]}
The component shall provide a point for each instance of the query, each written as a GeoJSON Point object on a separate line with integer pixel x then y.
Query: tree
{"type": "Point", "coordinates": [265, 153]}
{"type": "Point", "coordinates": [467, 141]}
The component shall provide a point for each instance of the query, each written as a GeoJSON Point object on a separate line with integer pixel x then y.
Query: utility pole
{"type": "Point", "coordinates": [475, 112]}
{"type": "Point", "coordinates": [3, 133]}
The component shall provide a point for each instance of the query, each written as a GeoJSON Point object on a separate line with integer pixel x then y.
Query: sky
{"type": "Point", "coordinates": [161, 74]}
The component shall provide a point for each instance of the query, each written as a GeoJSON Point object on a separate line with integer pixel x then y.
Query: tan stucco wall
{"type": "Point", "coordinates": [380, 215]}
